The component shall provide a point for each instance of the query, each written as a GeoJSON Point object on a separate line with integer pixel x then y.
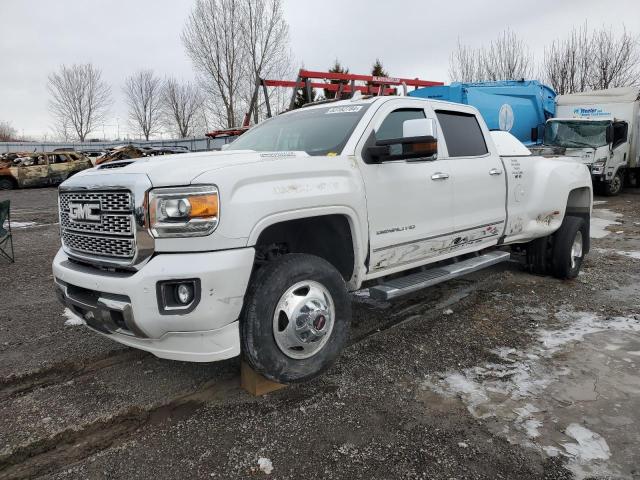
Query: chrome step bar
{"type": "Point", "coordinates": [417, 281]}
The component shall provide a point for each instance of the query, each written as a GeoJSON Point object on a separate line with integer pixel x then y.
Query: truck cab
{"type": "Point", "coordinates": [601, 130]}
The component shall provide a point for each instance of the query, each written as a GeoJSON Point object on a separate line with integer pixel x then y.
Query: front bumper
{"type": "Point", "coordinates": [124, 305]}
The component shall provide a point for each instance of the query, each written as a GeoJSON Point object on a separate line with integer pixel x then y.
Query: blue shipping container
{"type": "Point", "coordinates": [519, 107]}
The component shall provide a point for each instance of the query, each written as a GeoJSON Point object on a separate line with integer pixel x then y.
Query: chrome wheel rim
{"type": "Point", "coordinates": [303, 319]}
{"type": "Point", "coordinates": [576, 249]}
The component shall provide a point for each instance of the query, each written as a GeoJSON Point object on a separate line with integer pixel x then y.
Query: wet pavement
{"type": "Point", "coordinates": [501, 374]}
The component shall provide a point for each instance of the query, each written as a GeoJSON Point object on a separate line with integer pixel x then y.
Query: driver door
{"type": "Point", "coordinates": [409, 202]}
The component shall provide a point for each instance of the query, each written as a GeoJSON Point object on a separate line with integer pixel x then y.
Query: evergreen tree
{"type": "Point", "coordinates": [378, 70]}
{"type": "Point", "coordinates": [336, 68]}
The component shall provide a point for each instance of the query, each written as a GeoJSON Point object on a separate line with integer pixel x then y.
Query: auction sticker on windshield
{"type": "Point", "coordinates": [346, 109]}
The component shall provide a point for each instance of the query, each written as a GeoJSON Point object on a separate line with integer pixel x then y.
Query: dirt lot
{"type": "Point", "coordinates": [500, 375]}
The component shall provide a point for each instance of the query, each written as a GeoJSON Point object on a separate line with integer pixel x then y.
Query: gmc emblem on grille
{"type": "Point", "coordinates": [84, 212]}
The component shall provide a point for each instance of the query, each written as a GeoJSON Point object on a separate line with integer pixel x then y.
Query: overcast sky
{"type": "Point", "coordinates": [412, 38]}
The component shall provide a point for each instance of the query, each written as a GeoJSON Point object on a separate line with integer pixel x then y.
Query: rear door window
{"type": "Point", "coordinates": [462, 134]}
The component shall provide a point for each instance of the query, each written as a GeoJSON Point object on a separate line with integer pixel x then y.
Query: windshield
{"type": "Point", "coordinates": [317, 131]}
{"type": "Point", "coordinates": [571, 133]}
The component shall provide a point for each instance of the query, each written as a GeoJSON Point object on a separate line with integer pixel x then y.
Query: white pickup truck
{"type": "Point", "coordinates": [253, 250]}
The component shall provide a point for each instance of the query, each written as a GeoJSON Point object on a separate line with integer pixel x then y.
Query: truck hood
{"type": "Point", "coordinates": [586, 155]}
{"type": "Point", "coordinates": [183, 169]}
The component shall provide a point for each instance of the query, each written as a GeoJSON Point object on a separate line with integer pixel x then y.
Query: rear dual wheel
{"type": "Point", "coordinates": [562, 253]}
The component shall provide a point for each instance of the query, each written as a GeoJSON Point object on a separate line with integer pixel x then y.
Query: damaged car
{"type": "Point", "coordinates": [40, 169]}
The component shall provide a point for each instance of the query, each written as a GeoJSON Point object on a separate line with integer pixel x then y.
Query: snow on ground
{"type": "Point", "coordinates": [265, 465]}
{"type": "Point", "coordinates": [15, 224]}
{"type": "Point", "coordinates": [514, 392]}
{"type": "Point", "coordinates": [633, 254]}
{"type": "Point", "coordinates": [71, 318]}
{"type": "Point", "coordinates": [589, 446]}
{"type": "Point", "coordinates": [600, 220]}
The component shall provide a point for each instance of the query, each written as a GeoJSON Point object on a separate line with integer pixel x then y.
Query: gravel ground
{"type": "Point", "coordinates": [421, 391]}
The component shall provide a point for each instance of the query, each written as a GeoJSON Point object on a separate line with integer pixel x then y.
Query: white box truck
{"type": "Point", "coordinates": [600, 128]}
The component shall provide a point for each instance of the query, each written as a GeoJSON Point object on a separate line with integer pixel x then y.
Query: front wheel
{"type": "Point", "coordinates": [614, 186]}
{"type": "Point", "coordinates": [296, 318]}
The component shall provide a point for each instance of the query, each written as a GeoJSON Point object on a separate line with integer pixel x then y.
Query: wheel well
{"type": "Point", "coordinates": [327, 236]}
{"type": "Point", "coordinates": [579, 205]}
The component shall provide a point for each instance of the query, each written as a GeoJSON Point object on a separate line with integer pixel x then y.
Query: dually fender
{"type": "Point", "coordinates": [538, 195]}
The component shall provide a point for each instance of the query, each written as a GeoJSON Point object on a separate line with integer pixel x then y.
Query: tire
{"type": "Point", "coordinates": [614, 186]}
{"type": "Point", "coordinates": [569, 244]}
{"type": "Point", "coordinates": [6, 184]}
{"type": "Point", "coordinates": [270, 343]}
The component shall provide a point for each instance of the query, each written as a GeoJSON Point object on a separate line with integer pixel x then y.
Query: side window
{"type": "Point", "coordinates": [462, 134]}
{"type": "Point", "coordinates": [391, 126]}
{"type": "Point", "coordinates": [619, 133]}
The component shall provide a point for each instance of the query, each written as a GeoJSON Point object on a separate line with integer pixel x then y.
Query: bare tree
{"type": "Point", "coordinates": [7, 132]}
{"type": "Point", "coordinates": [464, 64]}
{"type": "Point", "coordinates": [616, 59]}
{"type": "Point", "coordinates": [567, 65]}
{"type": "Point", "coordinates": [212, 37]}
{"type": "Point", "coordinates": [182, 105]}
{"type": "Point", "coordinates": [231, 43]}
{"type": "Point", "coordinates": [143, 93]}
{"type": "Point", "coordinates": [265, 38]}
{"type": "Point", "coordinates": [505, 58]}
{"type": "Point", "coordinates": [79, 97]}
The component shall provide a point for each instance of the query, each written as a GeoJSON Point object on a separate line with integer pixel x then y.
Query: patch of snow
{"type": "Point", "coordinates": [635, 255]}
{"type": "Point", "coordinates": [599, 202]}
{"type": "Point", "coordinates": [590, 446]}
{"type": "Point", "coordinates": [462, 445]}
{"type": "Point", "coordinates": [600, 220]}
{"type": "Point", "coordinates": [634, 353]}
{"type": "Point", "coordinates": [551, 451]}
{"type": "Point", "coordinates": [448, 311]}
{"type": "Point", "coordinates": [72, 319]}
{"type": "Point", "coordinates": [509, 390]}
{"type": "Point", "coordinates": [265, 465]}
{"type": "Point", "coordinates": [22, 224]}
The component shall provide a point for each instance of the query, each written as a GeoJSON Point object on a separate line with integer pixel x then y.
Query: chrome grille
{"type": "Point", "coordinates": [110, 223]}
{"type": "Point", "coordinates": [113, 236]}
{"type": "Point", "coordinates": [109, 201]}
{"type": "Point", "coordinates": [103, 246]}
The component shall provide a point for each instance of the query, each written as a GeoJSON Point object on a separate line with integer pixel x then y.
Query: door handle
{"type": "Point", "coordinates": [439, 176]}
{"type": "Point", "coordinates": [495, 171]}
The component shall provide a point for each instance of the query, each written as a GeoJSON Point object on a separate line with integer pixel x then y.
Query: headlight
{"type": "Point", "coordinates": [183, 211]}
{"type": "Point", "coordinates": [598, 166]}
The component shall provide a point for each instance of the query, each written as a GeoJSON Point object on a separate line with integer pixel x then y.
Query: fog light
{"type": "Point", "coordinates": [184, 293]}
{"type": "Point", "coordinates": [177, 297]}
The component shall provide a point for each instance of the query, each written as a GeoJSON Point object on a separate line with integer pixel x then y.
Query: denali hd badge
{"type": "Point", "coordinates": [84, 212]}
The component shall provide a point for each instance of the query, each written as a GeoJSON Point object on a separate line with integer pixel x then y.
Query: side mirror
{"type": "Point", "coordinates": [419, 141]}
{"type": "Point", "coordinates": [609, 133]}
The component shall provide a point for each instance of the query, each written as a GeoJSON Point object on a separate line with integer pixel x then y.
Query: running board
{"type": "Point", "coordinates": [417, 281]}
